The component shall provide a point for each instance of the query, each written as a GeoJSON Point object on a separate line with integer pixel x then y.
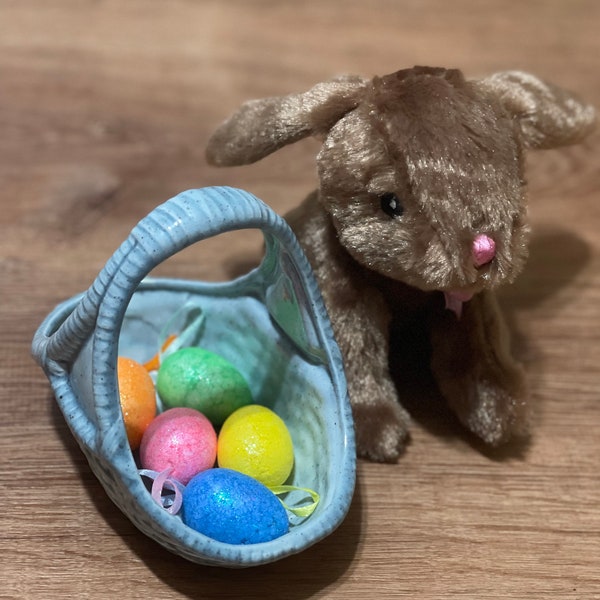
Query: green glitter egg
{"type": "Point", "coordinates": [200, 379]}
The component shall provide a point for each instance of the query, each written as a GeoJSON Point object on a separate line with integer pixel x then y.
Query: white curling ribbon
{"type": "Point", "coordinates": [186, 324]}
{"type": "Point", "coordinates": [183, 329]}
{"type": "Point", "coordinates": [173, 499]}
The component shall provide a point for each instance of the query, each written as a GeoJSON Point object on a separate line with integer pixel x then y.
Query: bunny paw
{"type": "Point", "coordinates": [381, 431]}
{"type": "Point", "coordinates": [497, 415]}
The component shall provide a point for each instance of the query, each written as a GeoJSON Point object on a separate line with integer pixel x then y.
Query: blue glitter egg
{"type": "Point", "coordinates": [231, 507]}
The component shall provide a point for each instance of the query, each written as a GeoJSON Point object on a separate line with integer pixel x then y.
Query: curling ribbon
{"type": "Point", "coordinates": [300, 511]}
{"type": "Point", "coordinates": [172, 501]}
{"type": "Point", "coordinates": [183, 329]}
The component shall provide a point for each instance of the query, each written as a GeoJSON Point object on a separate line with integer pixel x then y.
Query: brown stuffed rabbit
{"type": "Point", "coordinates": [420, 215]}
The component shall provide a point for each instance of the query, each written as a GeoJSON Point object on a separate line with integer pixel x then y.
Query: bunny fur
{"type": "Point", "coordinates": [414, 167]}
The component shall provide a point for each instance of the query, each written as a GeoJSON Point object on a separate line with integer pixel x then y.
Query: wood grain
{"type": "Point", "coordinates": [105, 109]}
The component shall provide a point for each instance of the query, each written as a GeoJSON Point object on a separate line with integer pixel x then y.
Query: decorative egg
{"type": "Point", "coordinates": [137, 397]}
{"type": "Point", "coordinates": [255, 441]}
{"type": "Point", "coordinates": [181, 439]}
{"type": "Point", "coordinates": [200, 379]}
{"type": "Point", "coordinates": [231, 507]}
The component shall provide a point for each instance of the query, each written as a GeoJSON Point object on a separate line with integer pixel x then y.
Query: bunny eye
{"type": "Point", "coordinates": [391, 205]}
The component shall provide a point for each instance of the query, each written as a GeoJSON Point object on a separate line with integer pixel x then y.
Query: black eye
{"type": "Point", "coordinates": [391, 205]}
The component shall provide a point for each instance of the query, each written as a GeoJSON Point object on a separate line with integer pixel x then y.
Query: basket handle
{"type": "Point", "coordinates": [187, 218]}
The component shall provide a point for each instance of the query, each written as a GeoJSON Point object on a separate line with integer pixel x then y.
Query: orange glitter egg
{"type": "Point", "coordinates": [137, 397]}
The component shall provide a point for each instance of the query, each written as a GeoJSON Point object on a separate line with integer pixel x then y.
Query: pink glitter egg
{"type": "Point", "coordinates": [180, 439]}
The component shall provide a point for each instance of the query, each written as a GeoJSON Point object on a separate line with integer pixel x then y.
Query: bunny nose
{"type": "Point", "coordinates": [484, 249]}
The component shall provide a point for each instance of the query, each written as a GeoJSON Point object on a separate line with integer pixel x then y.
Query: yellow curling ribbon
{"type": "Point", "coordinates": [300, 511]}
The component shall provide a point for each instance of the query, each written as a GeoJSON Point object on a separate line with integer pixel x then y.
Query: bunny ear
{"type": "Point", "coordinates": [548, 115]}
{"type": "Point", "coordinates": [260, 127]}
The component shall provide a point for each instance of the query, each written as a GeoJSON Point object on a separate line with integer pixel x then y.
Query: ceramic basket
{"type": "Point", "coordinates": [270, 323]}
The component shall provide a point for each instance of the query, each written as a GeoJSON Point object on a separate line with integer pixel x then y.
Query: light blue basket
{"type": "Point", "coordinates": [271, 324]}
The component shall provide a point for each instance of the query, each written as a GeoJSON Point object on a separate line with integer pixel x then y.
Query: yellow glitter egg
{"type": "Point", "coordinates": [255, 441]}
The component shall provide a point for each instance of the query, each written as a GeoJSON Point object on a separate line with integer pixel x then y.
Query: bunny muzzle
{"type": "Point", "coordinates": [483, 253]}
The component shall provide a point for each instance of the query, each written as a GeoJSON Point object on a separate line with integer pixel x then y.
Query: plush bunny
{"type": "Point", "coordinates": [419, 216]}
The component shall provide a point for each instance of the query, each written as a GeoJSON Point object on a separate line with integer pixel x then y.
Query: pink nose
{"type": "Point", "coordinates": [484, 249]}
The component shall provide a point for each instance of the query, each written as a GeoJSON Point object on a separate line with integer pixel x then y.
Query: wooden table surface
{"type": "Point", "coordinates": [105, 109]}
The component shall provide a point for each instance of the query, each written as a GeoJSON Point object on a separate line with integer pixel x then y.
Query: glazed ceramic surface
{"type": "Point", "coordinates": [271, 324]}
